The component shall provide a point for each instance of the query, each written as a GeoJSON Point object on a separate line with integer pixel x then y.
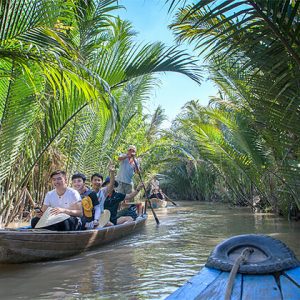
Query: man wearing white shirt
{"type": "Point", "coordinates": [62, 199]}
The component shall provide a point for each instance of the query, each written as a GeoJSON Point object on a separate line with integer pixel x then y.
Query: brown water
{"type": "Point", "coordinates": [148, 265]}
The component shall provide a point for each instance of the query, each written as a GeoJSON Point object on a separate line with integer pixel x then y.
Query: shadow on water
{"type": "Point", "coordinates": [148, 265]}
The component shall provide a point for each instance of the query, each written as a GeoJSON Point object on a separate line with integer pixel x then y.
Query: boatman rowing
{"type": "Point", "coordinates": [127, 170]}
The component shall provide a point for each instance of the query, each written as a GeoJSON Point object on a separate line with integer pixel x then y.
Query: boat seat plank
{"type": "Point", "coordinates": [262, 287]}
{"type": "Point", "coordinates": [214, 289]}
{"type": "Point", "coordinates": [294, 274]}
{"type": "Point", "coordinates": [217, 289]}
{"type": "Point", "coordinates": [195, 285]}
{"type": "Point", "coordinates": [289, 290]}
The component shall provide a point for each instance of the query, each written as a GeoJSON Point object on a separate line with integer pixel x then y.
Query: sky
{"type": "Point", "coordinates": [150, 18]}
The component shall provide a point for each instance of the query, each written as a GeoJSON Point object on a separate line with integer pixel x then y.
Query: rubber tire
{"type": "Point", "coordinates": [279, 256]}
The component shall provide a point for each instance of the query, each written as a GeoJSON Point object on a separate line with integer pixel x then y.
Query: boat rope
{"type": "Point", "coordinates": [239, 261]}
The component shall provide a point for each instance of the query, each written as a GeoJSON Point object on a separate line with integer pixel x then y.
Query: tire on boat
{"type": "Point", "coordinates": [270, 255]}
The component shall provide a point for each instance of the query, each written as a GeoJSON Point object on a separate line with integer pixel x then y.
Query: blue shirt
{"type": "Point", "coordinates": [126, 171]}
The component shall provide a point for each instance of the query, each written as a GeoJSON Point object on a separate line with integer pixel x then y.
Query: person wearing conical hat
{"type": "Point", "coordinates": [62, 200]}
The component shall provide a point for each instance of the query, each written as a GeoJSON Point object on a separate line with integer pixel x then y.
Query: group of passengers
{"type": "Point", "coordinates": [84, 206]}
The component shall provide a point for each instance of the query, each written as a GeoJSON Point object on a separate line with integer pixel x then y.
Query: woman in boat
{"type": "Point", "coordinates": [62, 199]}
{"type": "Point", "coordinates": [90, 203]}
{"type": "Point", "coordinates": [112, 204]}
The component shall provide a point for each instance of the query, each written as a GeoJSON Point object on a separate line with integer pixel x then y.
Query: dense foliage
{"type": "Point", "coordinates": [73, 83]}
{"type": "Point", "coordinates": [72, 80]}
{"type": "Point", "coordinates": [249, 135]}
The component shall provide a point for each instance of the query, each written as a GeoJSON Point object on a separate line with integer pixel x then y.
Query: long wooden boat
{"type": "Point", "coordinates": [158, 203]}
{"type": "Point", "coordinates": [271, 271]}
{"type": "Point", "coordinates": [31, 245]}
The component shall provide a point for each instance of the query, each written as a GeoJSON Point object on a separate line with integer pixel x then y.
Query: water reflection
{"type": "Point", "coordinates": [147, 265]}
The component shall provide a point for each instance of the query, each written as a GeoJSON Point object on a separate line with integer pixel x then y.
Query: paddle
{"type": "Point", "coordinates": [149, 202]}
{"type": "Point", "coordinates": [168, 199]}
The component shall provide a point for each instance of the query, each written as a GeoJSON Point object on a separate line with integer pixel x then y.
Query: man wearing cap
{"type": "Point", "coordinates": [113, 200]}
{"type": "Point", "coordinates": [62, 199]}
{"type": "Point", "coordinates": [90, 202]}
{"type": "Point", "coordinates": [127, 170]}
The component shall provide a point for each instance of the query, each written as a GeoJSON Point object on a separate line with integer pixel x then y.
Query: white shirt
{"type": "Point", "coordinates": [70, 197]}
{"type": "Point", "coordinates": [102, 194]}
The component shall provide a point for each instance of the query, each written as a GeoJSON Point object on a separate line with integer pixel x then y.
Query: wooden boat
{"type": "Point", "coordinates": [31, 245]}
{"type": "Point", "coordinates": [271, 271]}
{"type": "Point", "coordinates": [158, 203]}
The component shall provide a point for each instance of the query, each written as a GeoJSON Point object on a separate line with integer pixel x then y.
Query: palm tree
{"type": "Point", "coordinates": [65, 62]}
{"type": "Point", "coordinates": [252, 49]}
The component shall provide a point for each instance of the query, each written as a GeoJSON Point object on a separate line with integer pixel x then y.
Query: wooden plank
{"type": "Point", "coordinates": [262, 287]}
{"type": "Point", "coordinates": [217, 289]}
{"type": "Point", "coordinates": [289, 290]}
{"type": "Point", "coordinates": [195, 285]}
{"type": "Point", "coordinates": [294, 274]}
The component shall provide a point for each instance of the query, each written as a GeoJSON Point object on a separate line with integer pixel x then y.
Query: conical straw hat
{"type": "Point", "coordinates": [104, 218]}
{"type": "Point", "coordinates": [47, 219]}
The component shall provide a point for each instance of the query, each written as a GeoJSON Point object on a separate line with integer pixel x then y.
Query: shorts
{"type": "Point", "coordinates": [124, 188]}
{"type": "Point", "coordinates": [128, 212]}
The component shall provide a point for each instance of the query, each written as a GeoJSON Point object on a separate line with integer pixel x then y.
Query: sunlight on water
{"type": "Point", "coordinates": [150, 264]}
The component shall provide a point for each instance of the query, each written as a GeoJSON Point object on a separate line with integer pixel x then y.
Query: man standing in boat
{"type": "Point", "coordinates": [128, 166]}
{"type": "Point", "coordinates": [62, 199]}
{"type": "Point", "coordinates": [127, 170]}
{"type": "Point", "coordinates": [90, 203]}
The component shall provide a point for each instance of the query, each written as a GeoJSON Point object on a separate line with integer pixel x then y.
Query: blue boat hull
{"type": "Point", "coordinates": [271, 272]}
{"type": "Point", "coordinates": [211, 284]}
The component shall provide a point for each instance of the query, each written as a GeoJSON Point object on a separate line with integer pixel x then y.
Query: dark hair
{"type": "Point", "coordinates": [97, 175]}
{"type": "Point", "coordinates": [107, 181]}
{"type": "Point", "coordinates": [79, 175]}
{"type": "Point", "coordinates": [57, 172]}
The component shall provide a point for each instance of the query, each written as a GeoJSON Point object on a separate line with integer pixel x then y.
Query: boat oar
{"type": "Point", "coordinates": [147, 196]}
{"type": "Point", "coordinates": [168, 199]}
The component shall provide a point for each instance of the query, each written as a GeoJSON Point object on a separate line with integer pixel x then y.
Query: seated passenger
{"type": "Point", "coordinates": [62, 199]}
{"type": "Point", "coordinates": [90, 202]}
{"type": "Point", "coordinates": [96, 181]}
{"type": "Point", "coordinates": [112, 204]}
{"type": "Point", "coordinates": [103, 191]}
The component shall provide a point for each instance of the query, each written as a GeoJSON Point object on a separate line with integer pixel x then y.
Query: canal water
{"type": "Point", "coordinates": [150, 264]}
